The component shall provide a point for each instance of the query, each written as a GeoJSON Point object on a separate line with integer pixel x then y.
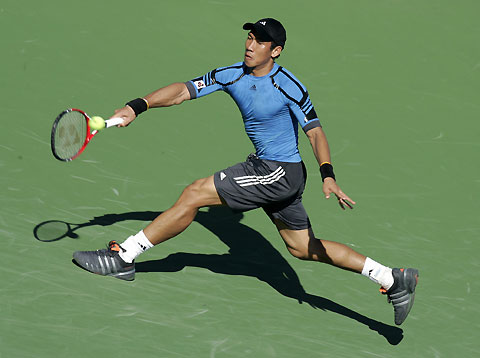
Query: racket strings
{"type": "Point", "coordinates": [70, 134]}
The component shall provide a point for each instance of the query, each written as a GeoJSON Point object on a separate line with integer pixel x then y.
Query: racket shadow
{"type": "Point", "coordinates": [54, 230]}
{"type": "Point", "coordinates": [249, 254]}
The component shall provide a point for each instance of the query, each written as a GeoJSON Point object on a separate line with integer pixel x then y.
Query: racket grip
{"type": "Point", "coordinates": [113, 122]}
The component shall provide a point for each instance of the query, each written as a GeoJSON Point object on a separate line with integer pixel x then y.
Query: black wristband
{"type": "Point", "coordinates": [139, 105]}
{"type": "Point", "coordinates": [326, 171]}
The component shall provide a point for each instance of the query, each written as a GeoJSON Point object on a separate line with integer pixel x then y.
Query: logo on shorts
{"type": "Point", "coordinates": [263, 23]}
{"type": "Point", "coordinates": [199, 84]}
{"type": "Point", "coordinates": [222, 175]}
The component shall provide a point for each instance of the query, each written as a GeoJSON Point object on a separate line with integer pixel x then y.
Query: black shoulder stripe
{"type": "Point", "coordinates": [286, 94]}
{"type": "Point", "coordinates": [276, 73]}
{"type": "Point", "coordinates": [304, 93]}
{"type": "Point", "coordinates": [292, 79]}
{"type": "Point", "coordinates": [214, 72]}
{"type": "Point", "coordinates": [227, 68]}
{"type": "Point", "coordinates": [304, 98]}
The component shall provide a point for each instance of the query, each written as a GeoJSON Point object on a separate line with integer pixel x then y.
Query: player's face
{"type": "Point", "coordinates": [257, 52]}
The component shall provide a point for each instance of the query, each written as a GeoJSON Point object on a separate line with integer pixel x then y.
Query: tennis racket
{"type": "Point", "coordinates": [71, 133]}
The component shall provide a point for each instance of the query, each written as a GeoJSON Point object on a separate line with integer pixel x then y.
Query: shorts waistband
{"type": "Point", "coordinates": [253, 156]}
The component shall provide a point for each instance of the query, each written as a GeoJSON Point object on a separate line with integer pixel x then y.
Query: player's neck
{"type": "Point", "coordinates": [263, 69]}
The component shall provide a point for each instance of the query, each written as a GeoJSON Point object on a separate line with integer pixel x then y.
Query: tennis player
{"type": "Point", "coordinates": [273, 104]}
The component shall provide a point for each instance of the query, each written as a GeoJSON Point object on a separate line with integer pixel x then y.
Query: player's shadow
{"type": "Point", "coordinates": [249, 254]}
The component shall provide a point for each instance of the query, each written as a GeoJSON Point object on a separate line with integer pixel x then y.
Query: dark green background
{"type": "Point", "coordinates": [396, 85]}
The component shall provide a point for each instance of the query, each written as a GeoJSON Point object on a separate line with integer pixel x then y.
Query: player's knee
{"type": "Point", "coordinates": [299, 251]}
{"type": "Point", "coordinates": [192, 191]}
{"type": "Point", "coordinates": [192, 194]}
{"type": "Point", "coordinates": [298, 243]}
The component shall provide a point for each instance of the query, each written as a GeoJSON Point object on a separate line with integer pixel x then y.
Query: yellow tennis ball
{"type": "Point", "coordinates": [97, 122]}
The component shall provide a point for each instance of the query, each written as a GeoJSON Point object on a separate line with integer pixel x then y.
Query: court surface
{"type": "Point", "coordinates": [396, 86]}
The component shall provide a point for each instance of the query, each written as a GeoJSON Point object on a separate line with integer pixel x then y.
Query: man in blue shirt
{"type": "Point", "coordinates": [272, 103]}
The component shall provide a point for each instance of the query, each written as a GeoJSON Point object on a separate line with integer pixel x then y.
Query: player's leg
{"type": "Point", "coordinates": [398, 284]}
{"type": "Point", "coordinates": [294, 227]}
{"type": "Point", "coordinates": [303, 245]}
{"type": "Point", "coordinates": [176, 219]}
{"type": "Point", "coordinates": [232, 186]}
{"type": "Point", "coordinates": [118, 260]}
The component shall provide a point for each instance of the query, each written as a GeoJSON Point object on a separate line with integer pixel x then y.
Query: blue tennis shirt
{"type": "Point", "coordinates": [271, 107]}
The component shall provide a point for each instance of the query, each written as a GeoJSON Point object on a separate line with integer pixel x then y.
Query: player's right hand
{"type": "Point", "coordinates": [126, 113]}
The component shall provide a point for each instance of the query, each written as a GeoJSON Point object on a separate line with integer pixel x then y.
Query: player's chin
{"type": "Point", "coordinates": [248, 62]}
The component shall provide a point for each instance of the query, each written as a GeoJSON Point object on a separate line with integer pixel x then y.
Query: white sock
{"type": "Point", "coordinates": [134, 246]}
{"type": "Point", "coordinates": [378, 273]}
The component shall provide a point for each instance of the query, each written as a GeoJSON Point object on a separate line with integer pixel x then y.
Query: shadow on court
{"type": "Point", "coordinates": [249, 254]}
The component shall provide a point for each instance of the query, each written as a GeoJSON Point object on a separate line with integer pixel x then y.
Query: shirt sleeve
{"type": "Point", "coordinates": [305, 113]}
{"type": "Point", "coordinates": [201, 86]}
{"type": "Point", "coordinates": [298, 99]}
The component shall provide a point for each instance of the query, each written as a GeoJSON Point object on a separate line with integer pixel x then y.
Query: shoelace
{"type": "Point", "coordinates": [114, 248]}
{"type": "Point", "coordinates": [384, 292]}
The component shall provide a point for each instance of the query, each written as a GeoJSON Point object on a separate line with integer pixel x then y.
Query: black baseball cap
{"type": "Point", "coordinates": [269, 30]}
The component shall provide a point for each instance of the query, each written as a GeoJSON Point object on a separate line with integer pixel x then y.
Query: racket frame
{"type": "Point", "coordinates": [90, 133]}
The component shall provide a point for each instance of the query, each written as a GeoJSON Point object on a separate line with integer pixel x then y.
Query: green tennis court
{"type": "Point", "coordinates": [396, 86]}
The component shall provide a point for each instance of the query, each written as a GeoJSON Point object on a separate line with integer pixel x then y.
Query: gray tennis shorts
{"type": "Point", "coordinates": [277, 187]}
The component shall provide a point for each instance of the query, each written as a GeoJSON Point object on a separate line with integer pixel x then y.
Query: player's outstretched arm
{"type": "Point", "coordinates": [176, 93]}
{"type": "Point", "coordinates": [321, 150]}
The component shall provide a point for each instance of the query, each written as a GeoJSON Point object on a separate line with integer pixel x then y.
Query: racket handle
{"type": "Point", "coordinates": [113, 122]}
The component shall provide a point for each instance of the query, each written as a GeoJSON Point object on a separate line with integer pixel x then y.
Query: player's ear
{"type": "Point", "coordinates": [277, 51]}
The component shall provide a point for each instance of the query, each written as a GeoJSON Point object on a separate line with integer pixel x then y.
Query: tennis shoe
{"type": "Point", "coordinates": [402, 293]}
{"type": "Point", "coordinates": [106, 262]}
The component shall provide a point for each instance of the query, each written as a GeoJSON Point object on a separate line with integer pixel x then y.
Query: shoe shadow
{"type": "Point", "coordinates": [249, 254]}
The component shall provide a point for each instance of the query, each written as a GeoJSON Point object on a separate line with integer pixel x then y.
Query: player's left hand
{"type": "Point", "coordinates": [330, 186]}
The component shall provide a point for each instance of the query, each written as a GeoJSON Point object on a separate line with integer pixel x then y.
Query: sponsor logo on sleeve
{"type": "Point", "coordinates": [199, 84]}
